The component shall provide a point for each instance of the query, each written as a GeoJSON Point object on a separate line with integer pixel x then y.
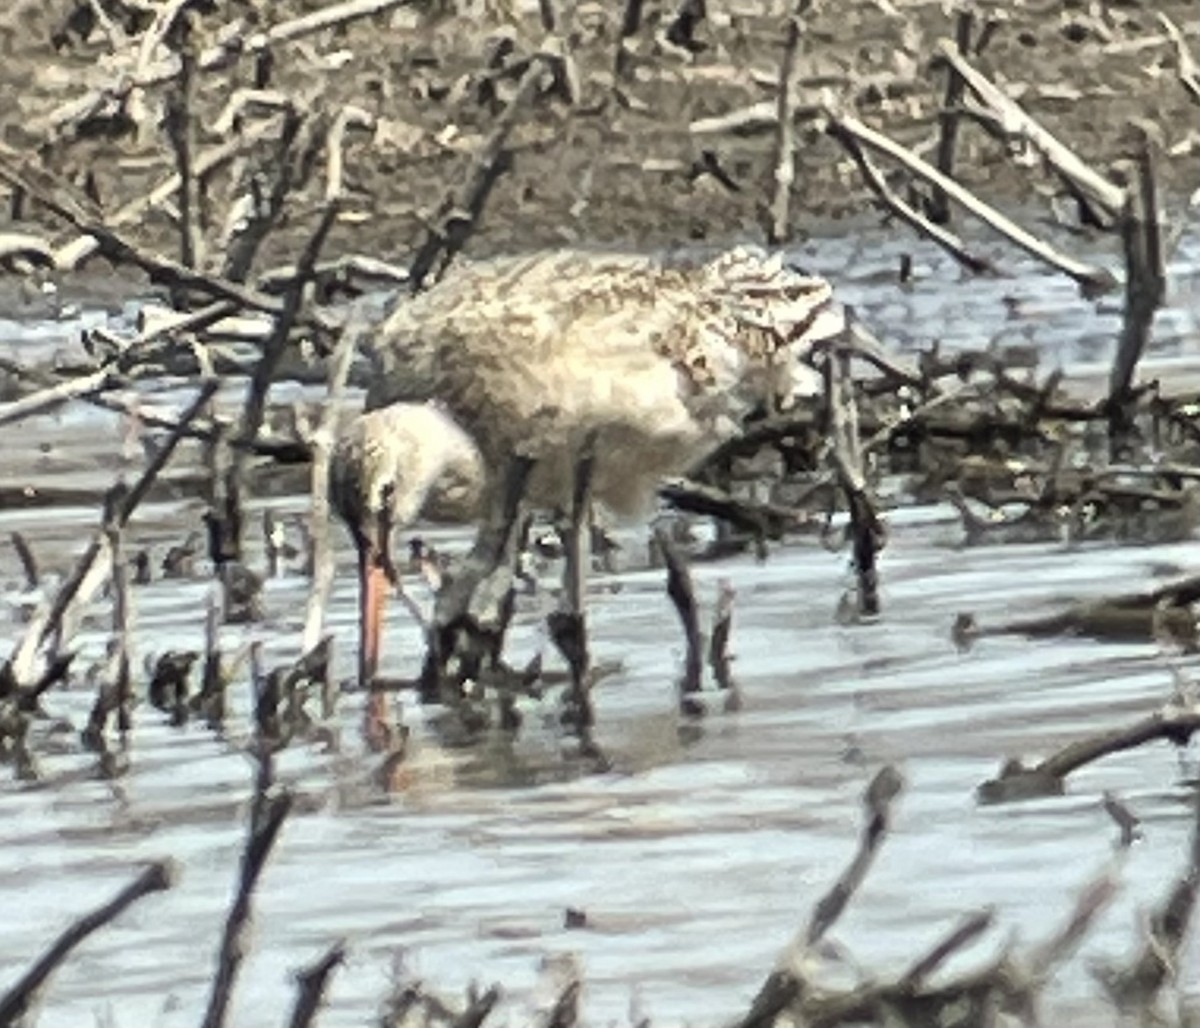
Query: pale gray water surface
{"type": "Point", "coordinates": [695, 861]}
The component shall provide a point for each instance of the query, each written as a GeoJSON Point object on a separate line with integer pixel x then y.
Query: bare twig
{"type": "Point", "coordinates": [1111, 197]}
{"type": "Point", "coordinates": [785, 156]}
{"type": "Point", "coordinates": [311, 983]}
{"type": "Point", "coordinates": [1090, 278]}
{"type": "Point", "coordinates": [17, 1001]}
{"type": "Point", "coordinates": [266, 821]}
{"type": "Point", "coordinates": [950, 119]}
{"type": "Point", "coordinates": [46, 625]}
{"type": "Point", "coordinates": [321, 442]}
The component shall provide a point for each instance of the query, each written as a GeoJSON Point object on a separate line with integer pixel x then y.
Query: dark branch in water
{"type": "Point", "coordinates": [1048, 778]}
{"type": "Point", "coordinates": [311, 982]}
{"type": "Point", "coordinates": [16, 1003]}
{"type": "Point", "coordinates": [266, 822]}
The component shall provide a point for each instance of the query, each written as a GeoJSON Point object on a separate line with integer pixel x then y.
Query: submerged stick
{"type": "Point", "coordinates": [16, 1003]}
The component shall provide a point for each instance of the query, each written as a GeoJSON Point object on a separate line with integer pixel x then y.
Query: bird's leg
{"type": "Point", "coordinates": [376, 575]}
{"type": "Point", "coordinates": [568, 627]}
{"type": "Point", "coordinates": [469, 610]}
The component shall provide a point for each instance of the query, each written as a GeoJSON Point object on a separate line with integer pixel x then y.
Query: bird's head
{"type": "Point", "coordinates": [773, 314]}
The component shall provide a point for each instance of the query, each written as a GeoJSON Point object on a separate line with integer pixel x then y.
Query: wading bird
{"type": "Point", "coordinates": [586, 375]}
{"type": "Point", "coordinates": [387, 468]}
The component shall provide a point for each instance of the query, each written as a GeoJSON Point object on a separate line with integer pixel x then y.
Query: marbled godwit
{"type": "Point", "coordinates": [387, 468]}
{"type": "Point", "coordinates": [587, 374]}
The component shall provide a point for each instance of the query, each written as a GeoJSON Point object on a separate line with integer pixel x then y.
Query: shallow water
{"type": "Point", "coordinates": [696, 859]}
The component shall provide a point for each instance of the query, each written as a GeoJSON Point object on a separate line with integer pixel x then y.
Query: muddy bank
{"type": "Point", "coordinates": [640, 156]}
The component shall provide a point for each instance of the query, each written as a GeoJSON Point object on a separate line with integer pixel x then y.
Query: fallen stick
{"type": "Point", "coordinates": [16, 1003]}
{"type": "Point", "coordinates": [762, 520]}
{"type": "Point", "coordinates": [1185, 63]}
{"type": "Point", "coordinates": [1093, 280]}
{"type": "Point", "coordinates": [926, 227]}
{"type": "Point", "coordinates": [1016, 781]}
{"type": "Point", "coordinates": [1017, 122]}
{"type": "Point", "coordinates": [56, 395]}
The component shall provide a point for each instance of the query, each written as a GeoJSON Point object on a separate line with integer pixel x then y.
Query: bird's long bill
{"type": "Point", "coordinates": [373, 584]}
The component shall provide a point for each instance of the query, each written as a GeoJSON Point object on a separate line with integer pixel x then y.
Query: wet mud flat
{"type": "Point", "coordinates": [698, 857]}
{"type": "Point", "coordinates": [659, 133]}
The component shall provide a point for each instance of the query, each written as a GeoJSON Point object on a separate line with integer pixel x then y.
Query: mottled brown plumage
{"type": "Point", "coordinates": [659, 357]}
{"type": "Point", "coordinates": [586, 375]}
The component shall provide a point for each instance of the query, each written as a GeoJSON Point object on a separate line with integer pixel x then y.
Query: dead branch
{"type": "Point", "coordinates": [926, 227]}
{"type": "Point", "coordinates": [1136, 987]}
{"type": "Point", "coordinates": [1145, 288]}
{"type": "Point", "coordinates": [458, 213]}
{"type": "Point", "coordinates": [16, 1003]}
{"type": "Point", "coordinates": [180, 123]}
{"type": "Point", "coordinates": [1185, 63]}
{"type": "Point", "coordinates": [321, 442]}
{"type": "Point", "coordinates": [949, 119]}
{"type": "Point", "coordinates": [273, 350]}
{"type": "Point", "coordinates": [28, 560]}
{"type": "Point", "coordinates": [1048, 778]}
{"type": "Point", "coordinates": [48, 623]}
{"type": "Point", "coordinates": [266, 821]}
{"type": "Point", "coordinates": [1017, 122]}
{"type": "Point", "coordinates": [311, 982]}
{"type": "Point", "coordinates": [56, 395]}
{"type": "Point", "coordinates": [1093, 280]}
{"type": "Point", "coordinates": [877, 800]}
{"type": "Point", "coordinates": [866, 527]}
{"type": "Point", "coordinates": [785, 146]}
